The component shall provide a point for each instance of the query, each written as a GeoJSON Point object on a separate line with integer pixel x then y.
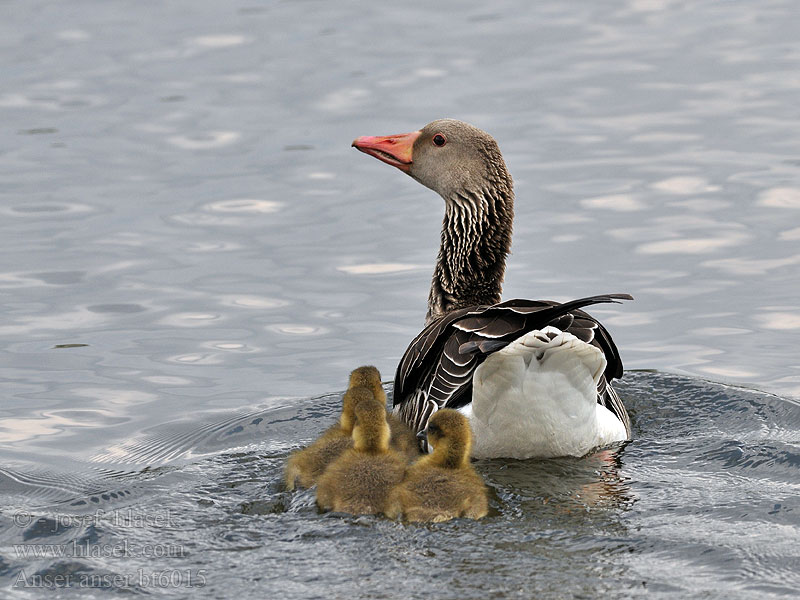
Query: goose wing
{"type": "Point", "coordinates": [437, 368]}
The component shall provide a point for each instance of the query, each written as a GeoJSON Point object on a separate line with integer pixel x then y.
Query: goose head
{"type": "Point", "coordinates": [450, 157]}
{"type": "Point", "coordinates": [464, 166]}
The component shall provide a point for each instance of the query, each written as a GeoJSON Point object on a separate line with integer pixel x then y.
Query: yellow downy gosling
{"type": "Point", "coordinates": [306, 465]}
{"type": "Point", "coordinates": [442, 485]}
{"type": "Point", "coordinates": [403, 439]}
{"type": "Point", "coordinates": [359, 481]}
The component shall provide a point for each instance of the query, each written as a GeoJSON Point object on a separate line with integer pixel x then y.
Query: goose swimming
{"type": "Point", "coordinates": [533, 377]}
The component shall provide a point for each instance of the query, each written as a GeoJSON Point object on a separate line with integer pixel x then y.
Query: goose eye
{"type": "Point", "coordinates": [439, 140]}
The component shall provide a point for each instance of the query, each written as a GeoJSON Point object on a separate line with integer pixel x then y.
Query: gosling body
{"type": "Point", "coordinates": [361, 479]}
{"type": "Point", "coordinates": [403, 439]}
{"type": "Point", "coordinates": [442, 485]}
{"type": "Point", "coordinates": [305, 466]}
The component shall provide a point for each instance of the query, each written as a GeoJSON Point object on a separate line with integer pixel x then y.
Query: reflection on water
{"type": "Point", "coordinates": [780, 198]}
{"type": "Point", "coordinates": [189, 241]}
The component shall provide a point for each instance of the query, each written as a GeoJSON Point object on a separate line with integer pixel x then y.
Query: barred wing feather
{"type": "Point", "coordinates": [437, 368]}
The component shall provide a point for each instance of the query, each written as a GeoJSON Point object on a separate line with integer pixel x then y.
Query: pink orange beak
{"type": "Point", "coordinates": [395, 150]}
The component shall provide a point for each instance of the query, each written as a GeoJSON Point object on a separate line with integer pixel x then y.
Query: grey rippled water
{"type": "Point", "coordinates": [194, 258]}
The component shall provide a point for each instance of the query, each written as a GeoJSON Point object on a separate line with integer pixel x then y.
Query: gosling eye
{"type": "Point", "coordinates": [439, 140]}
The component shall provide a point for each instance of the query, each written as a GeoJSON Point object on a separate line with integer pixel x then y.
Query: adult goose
{"type": "Point", "coordinates": [532, 376]}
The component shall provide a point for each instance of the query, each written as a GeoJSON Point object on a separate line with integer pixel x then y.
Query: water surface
{"type": "Point", "coordinates": [194, 258]}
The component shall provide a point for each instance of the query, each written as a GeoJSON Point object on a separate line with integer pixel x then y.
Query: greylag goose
{"type": "Point", "coordinates": [360, 480]}
{"type": "Point", "coordinates": [443, 485]}
{"type": "Point", "coordinates": [533, 377]}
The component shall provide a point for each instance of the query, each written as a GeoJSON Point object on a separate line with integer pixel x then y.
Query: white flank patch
{"type": "Point", "coordinates": [538, 397]}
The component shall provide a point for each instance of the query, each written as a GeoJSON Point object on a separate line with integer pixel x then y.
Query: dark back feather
{"type": "Point", "coordinates": [437, 368]}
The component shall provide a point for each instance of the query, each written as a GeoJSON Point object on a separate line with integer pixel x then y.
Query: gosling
{"type": "Point", "coordinates": [305, 466]}
{"type": "Point", "coordinates": [442, 485]}
{"type": "Point", "coordinates": [360, 480]}
{"type": "Point", "coordinates": [403, 439]}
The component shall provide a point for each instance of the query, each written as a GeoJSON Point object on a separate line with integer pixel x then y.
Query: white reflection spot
{"type": "Point", "coordinates": [116, 396]}
{"type": "Point", "coordinates": [45, 210]}
{"type": "Point", "coordinates": [430, 73]}
{"type": "Point", "coordinates": [297, 329]}
{"type": "Point", "coordinates": [779, 320]}
{"type": "Point", "coordinates": [243, 78]}
{"type": "Point", "coordinates": [684, 186]}
{"type": "Point", "coordinates": [259, 302]}
{"type": "Point", "coordinates": [205, 141]}
{"type": "Point", "coordinates": [732, 371]}
{"type": "Point", "coordinates": [375, 268]}
{"type": "Point", "coordinates": [701, 204]}
{"type": "Point", "coordinates": [206, 220]}
{"type": "Point", "coordinates": [212, 247]}
{"type": "Point", "coordinates": [244, 205]}
{"type": "Point", "coordinates": [344, 99]}
{"type": "Point", "coordinates": [630, 319]}
{"type": "Point", "coordinates": [660, 137]}
{"type": "Point", "coordinates": [721, 331]}
{"type": "Point", "coordinates": [219, 40]}
{"type": "Point", "coordinates": [196, 359]}
{"type": "Point", "coordinates": [566, 238]}
{"type": "Point", "coordinates": [321, 175]}
{"type": "Point", "coordinates": [190, 319]}
{"type": "Point", "coordinates": [780, 197]}
{"type": "Point", "coordinates": [790, 234]}
{"type": "Point", "coordinates": [618, 202]}
{"type": "Point", "coordinates": [15, 430]}
{"type": "Point", "coordinates": [751, 266]}
{"type": "Point", "coordinates": [687, 245]}
{"type": "Point", "coordinates": [73, 35]}
{"type": "Point", "coordinates": [78, 319]}
{"type": "Point", "coordinates": [167, 380]}
{"type": "Point", "coordinates": [14, 101]}
{"type": "Point", "coordinates": [229, 346]}
{"type": "Point", "coordinates": [650, 5]}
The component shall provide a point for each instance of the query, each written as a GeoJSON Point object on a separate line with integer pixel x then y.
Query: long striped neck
{"type": "Point", "coordinates": [475, 240]}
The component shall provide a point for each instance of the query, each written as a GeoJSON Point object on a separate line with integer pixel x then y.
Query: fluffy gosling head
{"type": "Point", "coordinates": [449, 433]}
{"type": "Point", "coordinates": [370, 378]}
{"type": "Point", "coordinates": [351, 398]}
{"type": "Point", "coordinates": [371, 431]}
